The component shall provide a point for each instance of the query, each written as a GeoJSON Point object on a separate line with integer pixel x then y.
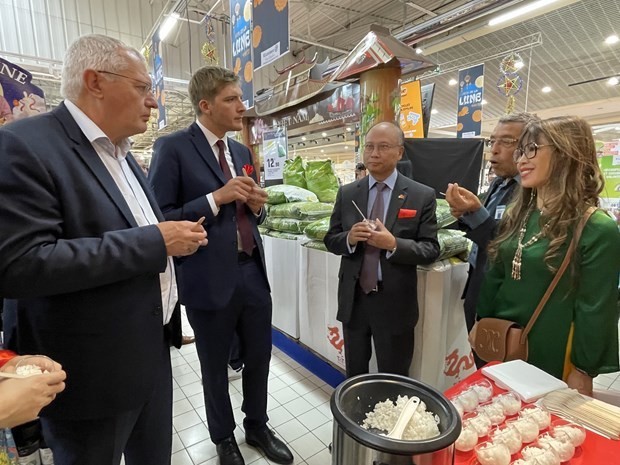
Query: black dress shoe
{"type": "Point", "coordinates": [229, 453]}
{"type": "Point", "coordinates": [265, 440]}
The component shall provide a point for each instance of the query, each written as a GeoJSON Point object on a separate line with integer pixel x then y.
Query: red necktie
{"type": "Point", "coordinates": [243, 223]}
{"type": "Point", "coordinates": [370, 263]}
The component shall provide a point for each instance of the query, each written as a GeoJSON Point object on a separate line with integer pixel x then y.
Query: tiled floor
{"type": "Point", "coordinates": [298, 409]}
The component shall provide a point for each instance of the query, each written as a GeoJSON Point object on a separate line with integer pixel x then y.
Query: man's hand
{"type": "Point", "coordinates": [41, 361]}
{"type": "Point", "coordinates": [258, 198]}
{"type": "Point", "coordinates": [183, 237]}
{"type": "Point", "coordinates": [580, 381]}
{"type": "Point", "coordinates": [461, 200]}
{"type": "Point", "coordinates": [360, 232]}
{"type": "Point", "coordinates": [239, 188]}
{"type": "Point", "coordinates": [381, 238]}
{"type": "Point", "coordinates": [21, 400]}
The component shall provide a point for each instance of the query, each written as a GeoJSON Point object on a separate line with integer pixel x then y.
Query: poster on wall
{"type": "Point", "coordinates": [469, 111]}
{"type": "Point", "coordinates": [241, 21]}
{"type": "Point", "coordinates": [274, 152]}
{"type": "Point", "coordinates": [609, 160]}
{"type": "Point", "coordinates": [411, 120]}
{"type": "Point", "coordinates": [427, 105]}
{"type": "Point", "coordinates": [19, 98]}
{"type": "Point", "coordinates": [270, 31]}
{"type": "Point", "coordinates": [158, 83]}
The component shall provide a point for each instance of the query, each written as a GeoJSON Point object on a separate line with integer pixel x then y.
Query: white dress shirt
{"type": "Point", "coordinates": [114, 159]}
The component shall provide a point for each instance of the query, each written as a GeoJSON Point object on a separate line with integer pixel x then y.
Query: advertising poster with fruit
{"type": "Point", "coordinates": [274, 152]}
{"type": "Point", "coordinates": [241, 20]}
{"type": "Point", "coordinates": [19, 98]}
{"type": "Point", "coordinates": [469, 112]}
{"type": "Point", "coordinates": [270, 31]}
{"type": "Point", "coordinates": [411, 121]}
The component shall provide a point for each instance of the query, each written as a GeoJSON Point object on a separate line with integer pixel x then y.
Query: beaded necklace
{"type": "Point", "coordinates": [516, 261]}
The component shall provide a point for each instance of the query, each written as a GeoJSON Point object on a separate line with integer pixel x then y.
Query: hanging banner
{"type": "Point", "coordinates": [241, 20]}
{"type": "Point", "coordinates": [411, 121]}
{"type": "Point", "coordinates": [608, 154]}
{"type": "Point", "coordinates": [270, 31]}
{"type": "Point", "coordinates": [158, 83]}
{"type": "Point", "coordinates": [274, 152]}
{"type": "Point", "coordinates": [19, 98]}
{"type": "Point", "coordinates": [469, 115]}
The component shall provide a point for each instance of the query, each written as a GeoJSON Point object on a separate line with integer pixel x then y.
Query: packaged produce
{"type": "Point", "coordinates": [321, 180]}
{"type": "Point", "coordinates": [288, 225]}
{"type": "Point", "coordinates": [282, 193]}
{"type": "Point", "coordinates": [302, 210]}
{"type": "Point", "coordinates": [442, 211]}
{"type": "Point", "coordinates": [294, 173]}
{"type": "Point", "coordinates": [317, 229]}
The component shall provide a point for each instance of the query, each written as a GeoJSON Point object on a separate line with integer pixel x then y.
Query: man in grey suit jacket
{"type": "Point", "coordinates": [378, 299]}
{"type": "Point", "coordinates": [86, 261]}
{"type": "Point", "coordinates": [478, 218]}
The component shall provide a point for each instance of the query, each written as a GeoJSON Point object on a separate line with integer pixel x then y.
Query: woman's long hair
{"type": "Point", "coordinates": [574, 184]}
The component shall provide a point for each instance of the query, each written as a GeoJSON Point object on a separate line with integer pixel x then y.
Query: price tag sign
{"type": "Point", "coordinates": [274, 153]}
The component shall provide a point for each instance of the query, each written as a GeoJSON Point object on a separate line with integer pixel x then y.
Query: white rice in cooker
{"type": "Point", "coordinates": [423, 424]}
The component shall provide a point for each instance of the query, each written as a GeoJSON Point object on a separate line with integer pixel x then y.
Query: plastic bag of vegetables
{"type": "Point", "coordinates": [317, 229]}
{"type": "Point", "coordinates": [283, 193]}
{"type": "Point", "coordinates": [442, 211]}
{"type": "Point", "coordinates": [321, 180]}
{"type": "Point", "coordinates": [302, 210]}
{"type": "Point", "coordinates": [294, 173]}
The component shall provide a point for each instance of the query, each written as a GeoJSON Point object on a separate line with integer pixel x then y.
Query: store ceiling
{"type": "Point", "coordinates": [559, 47]}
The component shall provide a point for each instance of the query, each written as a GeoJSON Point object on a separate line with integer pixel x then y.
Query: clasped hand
{"type": "Point", "coordinates": [243, 189]}
{"type": "Point", "coordinates": [461, 200]}
{"type": "Point", "coordinates": [379, 237]}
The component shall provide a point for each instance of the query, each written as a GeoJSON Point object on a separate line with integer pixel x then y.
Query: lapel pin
{"type": "Point", "coordinates": [401, 196]}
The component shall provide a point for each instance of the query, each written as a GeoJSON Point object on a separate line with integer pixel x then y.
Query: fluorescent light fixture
{"type": "Point", "coordinates": [167, 26]}
{"type": "Point", "coordinates": [546, 89]}
{"type": "Point", "coordinates": [519, 64]}
{"type": "Point", "coordinates": [613, 81]}
{"type": "Point", "coordinates": [617, 128]}
{"type": "Point", "coordinates": [612, 39]}
{"type": "Point", "coordinates": [419, 51]}
{"type": "Point", "coordinates": [322, 151]}
{"type": "Point", "coordinates": [434, 111]}
{"type": "Point", "coordinates": [346, 147]}
{"type": "Point", "coordinates": [303, 137]}
{"type": "Point", "coordinates": [520, 12]}
{"type": "Point", "coordinates": [453, 82]}
{"type": "Point", "coordinates": [324, 134]}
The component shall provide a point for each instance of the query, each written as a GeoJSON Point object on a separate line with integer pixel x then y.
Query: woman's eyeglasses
{"type": "Point", "coordinates": [529, 150]}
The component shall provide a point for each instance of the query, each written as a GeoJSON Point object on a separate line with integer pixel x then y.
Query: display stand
{"type": "Point", "coordinates": [282, 262]}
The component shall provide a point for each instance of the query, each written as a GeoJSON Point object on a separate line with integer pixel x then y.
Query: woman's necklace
{"type": "Point", "coordinates": [516, 261]}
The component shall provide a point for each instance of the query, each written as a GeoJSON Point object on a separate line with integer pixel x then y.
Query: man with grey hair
{"type": "Point", "coordinates": [479, 218]}
{"type": "Point", "coordinates": [200, 172]}
{"type": "Point", "coordinates": [86, 261]}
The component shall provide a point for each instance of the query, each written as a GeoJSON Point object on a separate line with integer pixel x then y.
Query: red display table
{"type": "Point", "coordinates": [596, 450]}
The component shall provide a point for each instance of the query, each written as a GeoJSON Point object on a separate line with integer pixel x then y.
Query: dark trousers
{"type": "Point", "coordinates": [249, 315]}
{"type": "Point", "coordinates": [144, 435]}
{"type": "Point", "coordinates": [393, 346]}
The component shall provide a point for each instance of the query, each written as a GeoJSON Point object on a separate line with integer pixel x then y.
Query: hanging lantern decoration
{"type": "Point", "coordinates": [510, 83]}
{"type": "Point", "coordinates": [209, 50]}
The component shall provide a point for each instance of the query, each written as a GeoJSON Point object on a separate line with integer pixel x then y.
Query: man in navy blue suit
{"type": "Point", "coordinates": [200, 172]}
{"type": "Point", "coordinates": [86, 260]}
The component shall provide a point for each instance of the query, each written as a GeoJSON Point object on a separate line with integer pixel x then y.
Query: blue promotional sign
{"type": "Point", "coordinates": [158, 83]}
{"type": "Point", "coordinates": [241, 20]}
{"type": "Point", "coordinates": [270, 31]}
{"type": "Point", "coordinates": [19, 98]}
{"type": "Point", "coordinates": [469, 115]}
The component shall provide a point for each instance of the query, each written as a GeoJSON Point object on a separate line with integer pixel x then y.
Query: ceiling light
{"type": "Point", "coordinates": [434, 111]}
{"type": "Point", "coordinates": [546, 89]}
{"type": "Point", "coordinates": [617, 128]}
{"type": "Point", "coordinates": [324, 134]}
{"type": "Point", "coordinates": [346, 147]}
{"type": "Point", "coordinates": [453, 82]}
{"type": "Point", "coordinates": [419, 51]}
{"type": "Point", "coordinates": [167, 26]}
{"type": "Point", "coordinates": [349, 129]}
{"type": "Point", "coordinates": [484, 102]}
{"type": "Point", "coordinates": [519, 12]}
{"type": "Point", "coordinates": [519, 64]}
{"type": "Point", "coordinates": [612, 39]}
{"type": "Point", "coordinates": [613, 81]}
{"type": "Point", "coordinates": [322, 151]}
{"type": "Point", "coordinates": [303, 137]}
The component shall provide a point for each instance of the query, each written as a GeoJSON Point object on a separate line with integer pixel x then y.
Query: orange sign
{"type": "Point", "coordinates": [411, 110]}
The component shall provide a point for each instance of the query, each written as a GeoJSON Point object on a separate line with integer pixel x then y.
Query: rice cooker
{"type": "Point", "coordinates": [354, 445]}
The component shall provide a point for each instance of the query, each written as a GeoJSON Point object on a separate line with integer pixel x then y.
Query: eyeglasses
{"type": "Point", "coordinates": [381, 148]}
{"type": "Point", "coordinates": [503, 141]}
{"type": "Point", "coordinates": [529, 150]}
{"type": "Point", "coordinates": [144, 88]}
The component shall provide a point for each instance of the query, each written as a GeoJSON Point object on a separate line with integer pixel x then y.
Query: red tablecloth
{"type": "Point", "coordinates": [596, 450]}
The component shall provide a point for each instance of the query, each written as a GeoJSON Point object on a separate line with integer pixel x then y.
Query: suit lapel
{"type": "Point", "coordinates": [399, 195]}
{"type": "Point", "coordinates": [87, 153]}
{"type": "Point", "coordinates": [137, 171]}
{"type": "Point", "coordinates": [204, 150]}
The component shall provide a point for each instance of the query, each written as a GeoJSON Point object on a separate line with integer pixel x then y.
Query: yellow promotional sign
{"type": "Point", "coordinates": [411, 110]}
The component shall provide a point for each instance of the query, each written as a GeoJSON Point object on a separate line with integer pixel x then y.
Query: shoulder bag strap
{"type": "Point", "coordinates": [567, 258]}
